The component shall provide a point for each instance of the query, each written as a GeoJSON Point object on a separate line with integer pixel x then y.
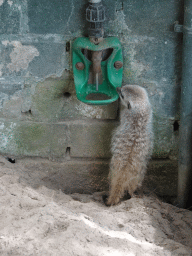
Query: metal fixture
{"type": "Point", "coordinates": [97, 82]}
{"type": "Point", "coordinates": [178, 28]}
{"type": "Point", "coordinates": [118, 64]}
{"type": "Point", "coordinates": [79, 65]}
{"type": "Point", "coordinates": [95, 15]}
{"type": "Point", "coordinates": [97, 61]}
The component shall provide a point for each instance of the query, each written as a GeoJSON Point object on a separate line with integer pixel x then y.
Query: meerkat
{"type": "Point", "coordinates": [132, 143]}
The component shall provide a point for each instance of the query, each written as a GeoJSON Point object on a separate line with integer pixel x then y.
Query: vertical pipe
{"type": "Point", "coordinates": [185, 141]}
{"type": "Point", "coordinates": [94, 1]}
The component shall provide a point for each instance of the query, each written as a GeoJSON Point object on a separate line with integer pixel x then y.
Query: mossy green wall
{"type": "Point", "coordinates": [39, 112]}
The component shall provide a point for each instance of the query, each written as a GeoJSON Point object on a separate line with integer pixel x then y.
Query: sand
{"type": "Point", "coordinates": [44, 221]}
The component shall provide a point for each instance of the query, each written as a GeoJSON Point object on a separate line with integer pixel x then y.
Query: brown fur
{"type": "Point", "coordinates": [131, 143]}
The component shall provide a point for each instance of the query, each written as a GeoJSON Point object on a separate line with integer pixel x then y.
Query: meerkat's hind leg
{"type": "Point", "coordinates": [105, 197]}
{"type": "Point", "coordinates": [126, 196]}
{"type": "Point", "coordinates": [106, 200]}
{"type": "Point", "coordinates": [116, 191]}
{"type": "Point", "coordinates": [134, 185]}
{"type": "Point", "coordinates": [139, 192]}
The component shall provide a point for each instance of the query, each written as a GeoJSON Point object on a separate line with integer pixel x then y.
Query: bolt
{"type": "Point", "coordinates": [80, 66]}
{"type": "Point", "coordinates": [118, 64]}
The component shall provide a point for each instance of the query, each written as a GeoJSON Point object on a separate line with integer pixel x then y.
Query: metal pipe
{"type": "Point", "coordinates": [95, 15]}
{"type": "Point", "coordinates": [96, 68]}
{"type": "Point", "coordinates": [94, 1]}
{"type": "Point", "coordinates": [185, 140]}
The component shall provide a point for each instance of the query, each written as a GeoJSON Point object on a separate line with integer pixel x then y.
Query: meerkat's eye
{"type": "Point", "coordinates": [128, 105]}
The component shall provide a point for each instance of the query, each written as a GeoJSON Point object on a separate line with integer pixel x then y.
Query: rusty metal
{"type": "Point", "coordinates": [97, 72]}
{"type": "Point", "coordinates": [80, 66]}
{"type": "Point", "coordinates": [118, 64]}
{"type": "Point", "coordinates": [96, 59]}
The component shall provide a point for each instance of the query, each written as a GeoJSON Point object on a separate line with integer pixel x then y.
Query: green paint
{"type": "Point", "coordinates": [112, 77]}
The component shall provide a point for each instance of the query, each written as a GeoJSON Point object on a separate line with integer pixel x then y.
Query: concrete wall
{"type": "Point", "coordinates": [39, 112]}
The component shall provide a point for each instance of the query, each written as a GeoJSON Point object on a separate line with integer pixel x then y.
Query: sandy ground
{"type": "Point", "coordinates": [44, 221]}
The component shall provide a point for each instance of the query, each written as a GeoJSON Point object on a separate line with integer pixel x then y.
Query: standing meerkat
{"type": "Point", "coordinates": [132, 143]}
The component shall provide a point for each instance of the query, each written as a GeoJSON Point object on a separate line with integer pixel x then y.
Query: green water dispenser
{"type": "Point", "coordinates": [97, 69]}
{"type": "Point", "coordinates": [97, 60]}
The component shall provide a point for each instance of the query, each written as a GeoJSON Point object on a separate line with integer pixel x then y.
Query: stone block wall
{"type": "Point", "coordinates": [40, 115]}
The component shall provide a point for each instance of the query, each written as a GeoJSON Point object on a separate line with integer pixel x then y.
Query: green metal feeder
{"type": "Point", "coordinates": [97, 69]}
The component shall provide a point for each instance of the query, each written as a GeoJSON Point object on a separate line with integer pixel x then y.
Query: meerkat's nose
{"type": "Point", "coordinates": [118, 89]}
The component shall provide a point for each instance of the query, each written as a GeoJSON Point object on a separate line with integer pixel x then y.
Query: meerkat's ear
{"type": "Point", "coordinates": [128, 105]}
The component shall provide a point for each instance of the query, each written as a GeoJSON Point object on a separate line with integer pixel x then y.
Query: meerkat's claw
{"type": "Point", "coordinates": [105, 199]}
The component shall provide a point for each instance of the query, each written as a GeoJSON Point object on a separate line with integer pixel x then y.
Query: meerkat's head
{"type": "Point", "coordinates": [133, 96]}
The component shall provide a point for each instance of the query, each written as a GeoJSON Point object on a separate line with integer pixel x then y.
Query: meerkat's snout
{"type": "Point", "coordinates": [118, 89]}
{"type": "Point", "coordinates": [126, 103]}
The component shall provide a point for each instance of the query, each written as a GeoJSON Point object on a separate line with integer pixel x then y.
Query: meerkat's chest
{"type": "Point", "coordinates": [129, 136]}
